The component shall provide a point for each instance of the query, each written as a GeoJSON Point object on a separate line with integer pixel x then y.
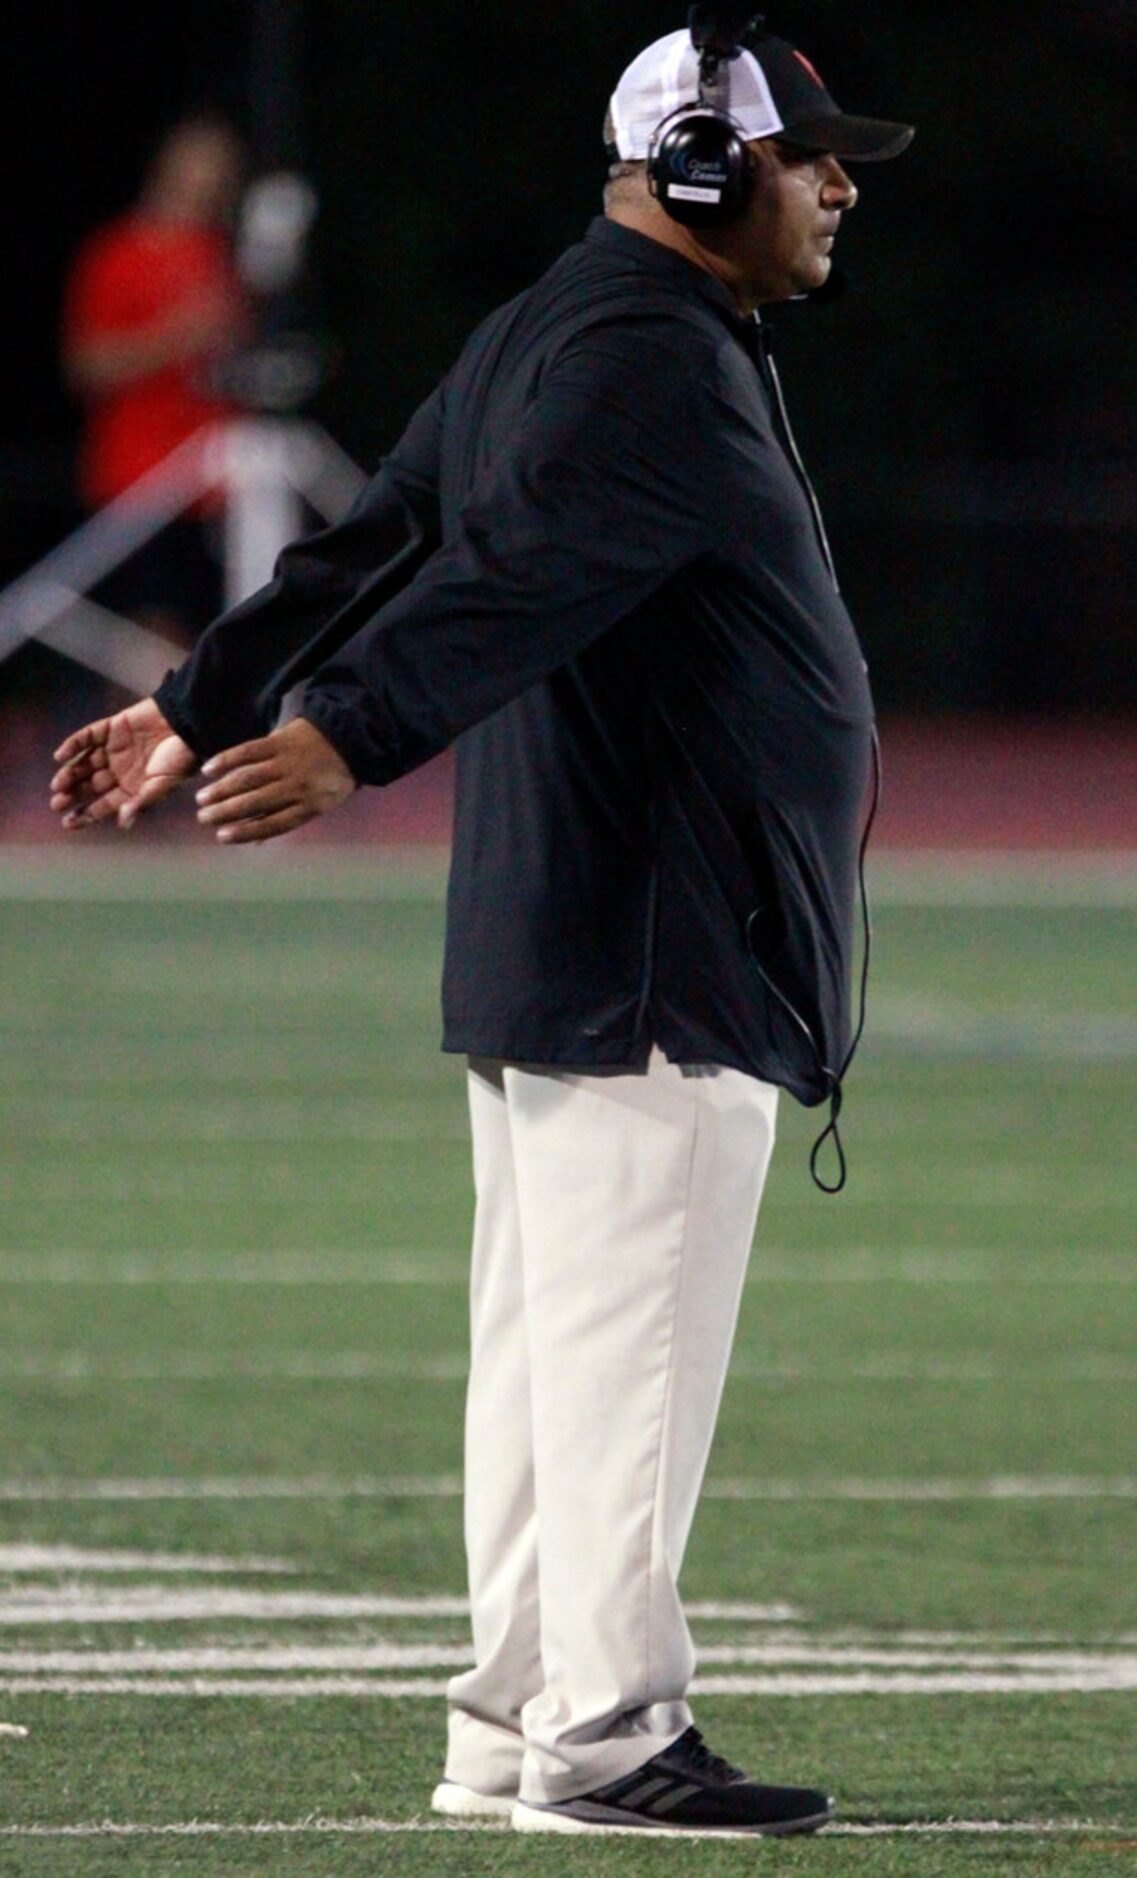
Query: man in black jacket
{"type": "Point", "coordinates": [594, 560]}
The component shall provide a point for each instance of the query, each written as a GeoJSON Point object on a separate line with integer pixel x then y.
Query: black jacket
{"type": "Point", "coordinates": [591, 560]}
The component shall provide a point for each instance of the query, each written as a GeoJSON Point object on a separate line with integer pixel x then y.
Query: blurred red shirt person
{"type": "Point", "coordinates": [153, 306]}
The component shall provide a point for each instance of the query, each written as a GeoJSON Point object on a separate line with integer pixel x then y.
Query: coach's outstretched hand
{"type": "Point", "coordinates": [279, 782]}
{"type": "Point", "coordinates": [118, 767]}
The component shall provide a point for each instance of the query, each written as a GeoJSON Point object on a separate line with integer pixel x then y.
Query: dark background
{"type": "Point", "coordinates": [965, 408]}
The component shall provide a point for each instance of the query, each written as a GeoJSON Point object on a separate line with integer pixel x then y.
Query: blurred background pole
{"type": "Point", "coordinates": [263, 506]}
{"type": "Point", "coordinates": [277, 130]}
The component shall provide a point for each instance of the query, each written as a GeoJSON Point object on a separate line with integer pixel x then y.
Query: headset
{"type": "Point", "coordinates": [698, 166]}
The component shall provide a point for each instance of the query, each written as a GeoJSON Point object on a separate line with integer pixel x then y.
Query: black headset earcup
{"type": "Point", "coordinates": [699, 168]}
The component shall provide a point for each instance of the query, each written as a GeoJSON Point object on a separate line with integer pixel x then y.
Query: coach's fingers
{"type": "Point", "coordinates": [81, 793]}
{"type": "Point", "coordinates": [154, 789]}
{"type": "Point", "coordinates": [82, 777]}
{"type": "Point", "coordinates": [66, 795]}
{"type": "Point", "coordinates": [267, 799]}
{"type": "Point", "coordinates": [238, 782]}
{"type": "Point", "coordinates": [90, 737]}
{"type": "Point", "coordinates": [265, 827]}
{"type": "Point", "coordinates": [99, 808]}
{"type": "Point", "coordinates": [77, 768]}
{"type": "Point", "coordinates": [261, 750]}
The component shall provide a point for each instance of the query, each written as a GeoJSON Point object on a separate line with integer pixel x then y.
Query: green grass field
{"type": "Point", "coordinates": [234, 1202]}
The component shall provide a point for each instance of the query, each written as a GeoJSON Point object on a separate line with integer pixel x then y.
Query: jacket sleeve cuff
{"type": "Point", "coordinates": [368, 744]}
{"type": "Point", "coordinates": [169, 702]}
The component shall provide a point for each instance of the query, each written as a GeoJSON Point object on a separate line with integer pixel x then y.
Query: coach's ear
{"type": "Point", "coordinates": [273, 785]}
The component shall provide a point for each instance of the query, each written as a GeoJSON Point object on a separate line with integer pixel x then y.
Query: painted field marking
{"type": "Point", "coordinates": [220, 1659]}
{"type": "Point", "coordinates": [84, 1604]}
{"type": "Point", "coordinates": [347, 874]}
{"type": "Point", "coordinates": [1011, 1488]}
{"type": "Point", "coordinates": [993, 879]}
{"type": "Point", "coordinates": [976, 1828]}
{"type": "Point", "coordinates": [87, 1604]}
{"type": "Point", "coordinates": [1116, 1679]}
{"type": "Point", "coordinates": [357, 872]}
{"type": "Point", "coordinates": [864, 1266]}
{"type": "Point", "coordinates": [363, 1366]}
{"type": "Point", "coordinates": [995, 1186]}
{"type": "Point", "coordinates": [735, 1610]}
{"type": "Point", "coordinates": [237, 1488]}
{"type": "Point", "coordinates": [22, 1559]}
{"type": "Point", "coordinates": [382, 1688]}
{"type": "Point", "coordinates": [928, 1265]}
{"type": "Point", "coordinates": [216, 1659]}
{"type": "Point", "coordinates": [377, 1828]}
{"type": "Point", "coordinates": [234, 1269]}
{"type": "Point", "coordinates": [1088, 1366]}
{"type": "Point", "coordinates": [239, 1123]}
{"type": "Point", "coordinates": [291, 1366]}
{"type": "Point", "coordinates": [320, 1487]}
{"type": "Point", "coordinates": [925, 1026]}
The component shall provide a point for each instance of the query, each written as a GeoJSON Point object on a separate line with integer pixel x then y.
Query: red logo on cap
{"type": "Point", "coordinates": [811, 69]}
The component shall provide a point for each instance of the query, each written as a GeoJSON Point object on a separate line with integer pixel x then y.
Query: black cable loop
{"type": "Point", "coordinates": [836, 1098]}
{"type": "Point", "coordinates": [835, 1081]}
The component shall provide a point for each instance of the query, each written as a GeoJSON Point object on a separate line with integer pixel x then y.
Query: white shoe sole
{"type": "Point", "coordinates": [457, 1802]}
{"type": "Point", "coordinates": [542, 1819]}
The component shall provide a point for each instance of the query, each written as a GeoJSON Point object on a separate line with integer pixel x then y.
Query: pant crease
{"type": "Point", "coordinates": [653, 1535]}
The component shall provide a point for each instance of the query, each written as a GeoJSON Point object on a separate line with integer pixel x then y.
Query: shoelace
{"type": "Point", "coordinates": [704, 1762]}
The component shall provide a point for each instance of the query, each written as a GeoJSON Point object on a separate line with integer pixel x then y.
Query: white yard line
{"type": "Point", "coordinates": [363, 1366]}
{"type": "Point", "coordinates": [23, 1559]}
{"type": "Point", "coordinates": [1107, 1680]}
{"type": "Point", "coordinates": [379, 1828]}
{"type": "Point", "coordinates": [261, 1828]}
{"type": "Point", "coordinates": [244, 1688]}
{"type": "Point", "coordinates": [252, 1121]}
{"type": "Point", "coordinates": [83, 1604]}
{"type": "Point", "coordinates": [929, 1265]}
{"type": "Point", "coordinates": [865, 1266]}
{"type": "Point", "coordinates": [925, 1024]}
{"type": "Point", "coordinates": [321, 1487]}
{"type": "Point", "coordinates": [236, 1487]}
{"type": "Point", "coordinates": [221, 1659]}
{"type": "Point", "coordinates": [356, 872]}
{"type": "Point", "coordinates": [234, 1269]}
{"type": "Point", "coordinates": [976, 1828]}
{"type": "Point", "coordinates": [1111, 1680]}
{"type": "Point", "coordinates": [986, 1367]}
{"type": "Point", "coordinates": [104, 1604]}
{"type": "Point", "coordinates": [945, 877]}
{"type": "Point", "coordinates": [1010, 1488]}
{"type": "Point", "coordinates": [739, 1611]}
{"type": "Point", "coordinates": [349, 873]}
{"type": "Point", "coordinates": [290, 1366]}
{"type": "Point", "coordinates": [216, 1659]}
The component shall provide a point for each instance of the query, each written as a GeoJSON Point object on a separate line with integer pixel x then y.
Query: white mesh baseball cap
{"type": "Point", "coordinates": [768, 88]}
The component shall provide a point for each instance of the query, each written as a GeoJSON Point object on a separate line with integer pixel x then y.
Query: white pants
{"type": "Point", "coordinates": [615, 1213]}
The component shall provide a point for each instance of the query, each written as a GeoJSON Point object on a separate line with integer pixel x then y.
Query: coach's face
{"type": "Point", "coordinates": [785, 240]}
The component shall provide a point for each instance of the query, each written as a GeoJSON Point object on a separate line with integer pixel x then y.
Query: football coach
{"type": "Point", "coordinates": [594, 561]}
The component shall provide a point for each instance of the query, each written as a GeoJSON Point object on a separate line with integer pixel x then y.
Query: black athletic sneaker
{"type": "Point", "coordinates": [685, 1789]}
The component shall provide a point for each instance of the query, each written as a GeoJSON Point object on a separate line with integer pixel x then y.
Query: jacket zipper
{"type": "Point", "coordinates": [769, 372]}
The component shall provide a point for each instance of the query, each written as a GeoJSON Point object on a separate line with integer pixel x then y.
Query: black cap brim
{"type": "Point", "coordinates": [857, 139]}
